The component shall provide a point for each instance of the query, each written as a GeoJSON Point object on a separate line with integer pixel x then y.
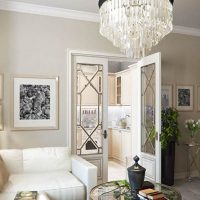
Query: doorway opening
{"type": "Point", "coordinates": [119, 119]}
{"type": "Point", "coordinates": [123, 145]}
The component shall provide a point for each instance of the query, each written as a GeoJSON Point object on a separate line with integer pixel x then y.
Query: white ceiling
{"type": "Point", "coordinates": [80, 5]}
{"type": "Point", "coordinates": [186, 12]}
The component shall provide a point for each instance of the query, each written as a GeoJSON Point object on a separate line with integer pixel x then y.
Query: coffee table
{"type": "Point", "coordinates": [42, 196]}
{"type": "Point", "coordinates": [107, 191]}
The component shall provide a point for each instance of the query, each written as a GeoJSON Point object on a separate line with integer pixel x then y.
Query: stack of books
{"type": "Point", "coordinates": [151, 194]}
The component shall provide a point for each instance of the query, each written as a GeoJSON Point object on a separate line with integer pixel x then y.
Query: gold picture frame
{"type": "Point", "coordinates": [34, 102]}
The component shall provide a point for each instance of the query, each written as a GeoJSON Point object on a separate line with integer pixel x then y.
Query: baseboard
{"type": "Point", "coordinates": [183, 175]}
{"type": "Point", "coordinates": [180, 175]}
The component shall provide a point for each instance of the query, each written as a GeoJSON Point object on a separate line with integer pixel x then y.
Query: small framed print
{"type": "Point", "coordinates": [198, 97]}
{"type": "Point", "coordinates": [184, 98]}
{"type": "Point", "coordinates": [167, 96]}
{"type": "Point", "coordinates": [35, 103]}
{"type": "Point", "coordinates": [1, 87]}
{"type": "Point", "coordinates": [1, 117]}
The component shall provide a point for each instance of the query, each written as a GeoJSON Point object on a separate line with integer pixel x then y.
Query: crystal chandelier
{"type": "Point", "coordinates": [135, 26]}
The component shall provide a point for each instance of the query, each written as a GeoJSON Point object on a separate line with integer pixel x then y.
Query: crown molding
{"type": "Point", "coordinates": [48, 11]}
{"type": "Point", "coordinates": [186, 31]}
{"type": "Point", "coordinates": [72, 14]}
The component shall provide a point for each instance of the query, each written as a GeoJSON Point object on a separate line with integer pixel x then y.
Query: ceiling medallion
{"type": "Point", "coordinates": [135, 26]}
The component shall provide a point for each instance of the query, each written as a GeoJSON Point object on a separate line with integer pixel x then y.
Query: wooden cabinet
{"type": "Point", "coordinates": [110, 143]}
{"type": "Point", "coordinates": [126, 145]}
{"type": "Point", "coordinates": [126, 88]}
{"type": "Point", "coordinates": [119, 89]}
{"type": "Point", "coordinates": [123, 88]}
{"type": "Point", "coordinates": [120, 144]}
{"type": "Point", "coordinates": [116, 144]}
{"type": "Point", "coordinates": [111, 89]}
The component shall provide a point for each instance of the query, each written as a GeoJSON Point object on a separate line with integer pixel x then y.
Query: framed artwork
{"type": "Point", "coordinates": [1, 87]}
{"type": "Point", "coordinates": [1, 117]}
{"type": "Point", "coordinates": [166, 96]}
{"type": "Point", "coordinates": [35, 103]}
{"type": "Point", "coordinates": [184, 98]}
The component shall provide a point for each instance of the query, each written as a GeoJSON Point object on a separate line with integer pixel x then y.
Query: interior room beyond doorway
{"type": "Point", "coordinates": [119, 119]}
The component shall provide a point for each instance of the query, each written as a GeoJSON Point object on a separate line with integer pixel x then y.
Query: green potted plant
{"type": "Point", "coordinates": [169, 136]}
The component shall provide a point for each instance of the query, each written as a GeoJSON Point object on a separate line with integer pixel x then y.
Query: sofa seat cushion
{"type": "Point", "coordinates": [57, 184]}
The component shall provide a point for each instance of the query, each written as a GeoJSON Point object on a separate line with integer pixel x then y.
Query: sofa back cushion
{"type": "Point", "coordinates": [13, 159]}
{"type": "Point", "coordinates": [46, 159]}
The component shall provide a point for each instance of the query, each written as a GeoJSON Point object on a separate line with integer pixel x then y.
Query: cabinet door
{"type": "Point", "coordinates": [126, 145]}
{"type": "Point", "coordinates": [118, 90]}
{"type": "Point", "coordinates": [111, 89]}
{"type": "Point", "coordinates": [110, 143]}
{"type": "Point", "coordinates": [125, 88]}
{"type": "Point", "coordinates": [116, 144]}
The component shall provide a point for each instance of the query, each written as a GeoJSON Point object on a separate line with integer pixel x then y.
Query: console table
{"type": "Point", "coordinates": [107, 191]}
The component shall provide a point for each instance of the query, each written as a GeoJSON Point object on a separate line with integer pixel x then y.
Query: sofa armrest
{"type": "Point", "coordinates": [85, 171]}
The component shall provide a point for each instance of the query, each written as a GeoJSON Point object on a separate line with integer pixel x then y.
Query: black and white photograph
{"type": "Point", "coordinates": [35, 103]}
{"type": "Point", "coordinates": [184, 95]}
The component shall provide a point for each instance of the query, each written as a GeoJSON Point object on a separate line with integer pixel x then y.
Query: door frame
{"type": "Point", "coordinates": [70, 54]}
{"type": "Point", "coordinates": [136, 108]}
{"type": "Point", "coordinates": [70, 117]}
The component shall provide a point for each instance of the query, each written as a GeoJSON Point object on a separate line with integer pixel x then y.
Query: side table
{"type": "Point", "coordinates": [193, 154]}
{"type": "Point", "coordinates": [106, 191]}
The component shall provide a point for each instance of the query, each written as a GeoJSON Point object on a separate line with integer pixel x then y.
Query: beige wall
{"type": "Point", "coordinates": [181, 65]}
{"type": "Point", "coordinates": [37, 45]}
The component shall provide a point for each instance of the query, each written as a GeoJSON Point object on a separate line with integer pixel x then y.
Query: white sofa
{"type": "Point", "coordinates": [51, 170]}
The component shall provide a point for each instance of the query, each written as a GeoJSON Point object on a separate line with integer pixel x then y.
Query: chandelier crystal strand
{"type": "Point", "coordinates": [135, 26]}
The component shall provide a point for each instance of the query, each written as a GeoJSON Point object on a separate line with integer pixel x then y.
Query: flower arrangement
{"type": "Point", "coordinates": [193, 126]}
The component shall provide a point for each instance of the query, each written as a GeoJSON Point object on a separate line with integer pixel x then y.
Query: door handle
{"type": "Point", "coordinates": [105, 134]}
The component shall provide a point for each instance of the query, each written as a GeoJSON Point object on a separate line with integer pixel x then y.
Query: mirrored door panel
{"type": "Point", "coordinates": [89, 108]}
{"type": "Point", "coordinates": [148, 109]}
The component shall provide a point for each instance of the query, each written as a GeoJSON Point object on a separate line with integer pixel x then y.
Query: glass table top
{"type": "Point", "coordinates": [112, 191]}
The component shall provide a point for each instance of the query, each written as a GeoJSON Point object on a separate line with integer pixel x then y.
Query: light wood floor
{"type": "Point", "coordinates": [188, 190]}
{"type": "Point", "coordinates": [116, 171]}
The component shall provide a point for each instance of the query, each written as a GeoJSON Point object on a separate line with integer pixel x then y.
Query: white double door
{"type": "Point", "coordinates": [89, 116]}
{"type": "Point", "coordinates": [146, 114]}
